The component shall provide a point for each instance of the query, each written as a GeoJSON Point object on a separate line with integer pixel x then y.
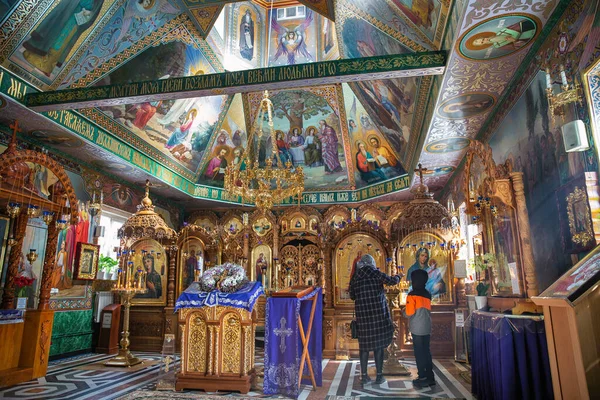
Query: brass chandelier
{"type": "Point", "coordinates": [268, 182]}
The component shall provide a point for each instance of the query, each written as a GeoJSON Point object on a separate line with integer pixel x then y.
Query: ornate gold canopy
{"type": "Point", "coordinates": [146, 223]}
{"type": "Point", "coordinates": [423, 211]}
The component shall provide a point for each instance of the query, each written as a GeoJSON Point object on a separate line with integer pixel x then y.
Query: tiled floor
{"type": "Point", "coordinates": [78, 378]}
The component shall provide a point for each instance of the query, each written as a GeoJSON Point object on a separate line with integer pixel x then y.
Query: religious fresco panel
{"type": "Point", "coordinates": [390, 106]}
{"type": "Point", "coordinates": [294, 36]}
{"type": "Point", "coordinates": [226, 146]}
{"type": "Point", "coordinates": [373, 28]}
{"type": "Point", "coordinates": [424, 14]}
{"type": "Point", "coordinates": [535, 145]}
{"type": "Point", "coordinates": [52, 42]}
{"type": "Point", "coordinates": [247, 35]}
{"type": "Point", "coordinates": [375, 160]}
{"type": "Point", "coordinates": [130, 23]}
{"type": "Point", "coordinates": [310, 134]}
{"type": "Point", "coordinates": [178, 128]}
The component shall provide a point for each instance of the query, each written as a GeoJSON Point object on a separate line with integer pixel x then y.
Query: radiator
{"type": "Point", "coordinates": [103, 299]}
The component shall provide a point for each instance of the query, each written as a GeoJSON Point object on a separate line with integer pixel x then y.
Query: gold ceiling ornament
{"type": "Point", "coordinates": [146, 223]}
{"type": "Point", "coordinates": [263, 183]}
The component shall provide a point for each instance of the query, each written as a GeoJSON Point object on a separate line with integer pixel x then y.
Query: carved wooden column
{"type": "Point", "coordinates": [276, 241]}
{"type": "Point", "coordinates": [20, 224]}
{"type": "Point", "coordinates": [525, 234]}
{"type": "Point", "coordinates": [246, 250]}
{"type": "Point", "coordinates": [49, 266]}
{"type": "Point", "coordinates": [172, 251]}
{"type": "Point", "coordinates": [328, 273]}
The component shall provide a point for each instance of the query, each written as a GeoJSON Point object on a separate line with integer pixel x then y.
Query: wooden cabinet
{"type": "Point", "coordinates": [217, 349]}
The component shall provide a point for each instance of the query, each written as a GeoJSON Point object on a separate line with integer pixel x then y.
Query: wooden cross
{"type": "Point", "coordinates": [420, 171]}
{"type": "Point", "coordinates": [15, 127]}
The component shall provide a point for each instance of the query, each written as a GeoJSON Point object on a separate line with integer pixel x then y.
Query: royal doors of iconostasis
{"type": "Point", "coordinates": [300, 254]}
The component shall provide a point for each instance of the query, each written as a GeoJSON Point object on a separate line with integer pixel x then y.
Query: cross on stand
{"type": "Point", "coordinates": [283, 333]}
{"type": "Point", "coordinates": [420, 171]}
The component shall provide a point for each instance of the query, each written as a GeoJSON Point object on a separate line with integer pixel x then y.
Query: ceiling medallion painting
{"type": "Point", "coordinates": [466, 105]}
{"type": "Point", "coordinates": [448, 145]}
{"type": "Point", "coordinates": [493, 41]}
{"type": "Point", "coordinates": [499, 36]}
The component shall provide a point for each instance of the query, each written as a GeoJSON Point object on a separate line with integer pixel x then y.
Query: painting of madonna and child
{"type": "Point", "coordinates": [422, 250]}
{"type": "Point", "coordinates": [308, 134]}
{"type": "Point", "coordinates": [180, 129]}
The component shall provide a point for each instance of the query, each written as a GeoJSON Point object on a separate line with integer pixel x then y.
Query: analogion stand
{"type": "Point", "coordinates": [287, 313]}
{"type": "Point", "coordinates": [217, 340]}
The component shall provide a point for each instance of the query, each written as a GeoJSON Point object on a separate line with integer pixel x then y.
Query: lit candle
{"type": "Point", "coordinates": [548, 79]}
{"type": "Point", "coordinates": [94, 197]}
{"type": "Point", "coordinates": [563, 76]}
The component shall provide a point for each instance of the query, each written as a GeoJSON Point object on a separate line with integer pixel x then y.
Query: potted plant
{"type": "Point", "coordinates": [481, 298]}
{"type": "Point", "coordinates": [106, 267]}
{"type": "Point", "coordinates": [21, 285]}
{"type": "Point", "coordinates": [481, 263]}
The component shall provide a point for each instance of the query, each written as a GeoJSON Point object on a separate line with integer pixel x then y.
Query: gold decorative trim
{"type": "Point", "coordinates": [578, 237]}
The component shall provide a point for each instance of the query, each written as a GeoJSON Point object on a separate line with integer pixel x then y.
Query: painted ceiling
{"type": "Point", "coordinates": [398, 121]}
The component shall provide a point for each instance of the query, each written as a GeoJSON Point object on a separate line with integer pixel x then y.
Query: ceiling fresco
{"type": "Point", "coordinates": [492, 42]}
{"type": "Point", "coordinates": [350, 137]}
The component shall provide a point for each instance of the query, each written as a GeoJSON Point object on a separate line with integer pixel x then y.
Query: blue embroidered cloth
{"type": "Point", "coordinates": [11, 316]}
{"type": "Point", "coordinates": [244, 298]}
{"type": "Point", "coordinates": [283, 344]}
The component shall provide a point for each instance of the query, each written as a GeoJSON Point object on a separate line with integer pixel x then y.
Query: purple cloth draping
{"type": "Point", "coordinates": [509, 358]}
{"type": "Point", "coordinates": [283, 344]}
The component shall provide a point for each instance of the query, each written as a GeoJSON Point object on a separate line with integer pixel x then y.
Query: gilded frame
{"type": "Point", "coordinates": [190, 244]}
{"type": "Point", "coordinates": [86, 261]}
{"type": "Point", "coordinates": [581, 229]}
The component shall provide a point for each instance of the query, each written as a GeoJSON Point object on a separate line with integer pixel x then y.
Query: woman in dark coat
{"type": "Point", "coordinates": [373, 318]}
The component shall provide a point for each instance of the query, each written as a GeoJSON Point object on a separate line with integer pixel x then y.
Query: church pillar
{"type": "Point", "coordinates": [49, 266]}
{"type": "Point", "coordinates": [591, 183]}
{"type": "Point", "coordinates": [20, 224]}
{"type": "Point", "coordinates": [525, 234]}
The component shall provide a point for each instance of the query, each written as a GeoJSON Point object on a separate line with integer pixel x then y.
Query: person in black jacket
{"type": "Point", "coordinates": [373, 318]}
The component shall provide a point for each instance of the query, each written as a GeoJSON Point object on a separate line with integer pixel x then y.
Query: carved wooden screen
{"type": "Point", "coordinates": [288, 275]}
{"type": "Point", "coordinates": [310, 274]}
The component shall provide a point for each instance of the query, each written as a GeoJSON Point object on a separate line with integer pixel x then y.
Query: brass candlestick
{"type": "Point", "coordinates": [128, 285]}
{"type": "Point", "coordinates": [392, 365]}
{"type": "Point", "coordinates": [125, 358]}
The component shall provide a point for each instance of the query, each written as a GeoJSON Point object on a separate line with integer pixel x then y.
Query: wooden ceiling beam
{"type": "Point", "coordinates": [283, 77]}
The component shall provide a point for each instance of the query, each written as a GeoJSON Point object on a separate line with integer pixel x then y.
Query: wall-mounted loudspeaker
{"type": "Point", "coordinates": [575, 136]}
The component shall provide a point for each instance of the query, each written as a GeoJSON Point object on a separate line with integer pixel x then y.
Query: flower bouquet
{"type": "Point", "coordinates": [21, 285]}
{"type": "Point", "coordinates": [227, 278]}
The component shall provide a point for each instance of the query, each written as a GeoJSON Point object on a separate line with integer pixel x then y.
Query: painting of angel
{"type": "Point", "coordinates": [291, 42]}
